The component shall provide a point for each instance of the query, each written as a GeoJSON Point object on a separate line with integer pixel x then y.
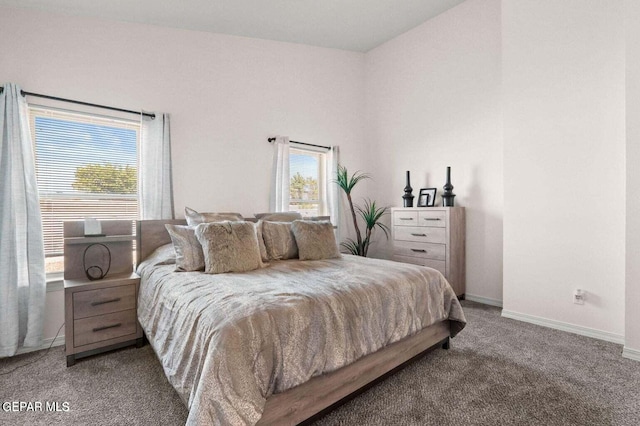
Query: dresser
{"type": "Point", "coordinates": [433, 237]}
{"type": "Point", "coordinates": [100, 315]}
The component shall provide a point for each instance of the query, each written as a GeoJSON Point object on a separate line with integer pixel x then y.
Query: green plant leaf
{"type": "Point", "coordinates": [346, 182]}
{"type": "Point", "coordinates": [351, 246]}
{"type": "Point", "coordinates": [372, 214]}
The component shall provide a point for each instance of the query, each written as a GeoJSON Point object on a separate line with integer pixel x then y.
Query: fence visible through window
{"type": "Point", "coordinates": [86, 166]}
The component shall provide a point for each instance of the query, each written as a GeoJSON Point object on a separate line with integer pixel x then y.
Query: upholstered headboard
{"type": "Point", "coordinates": [151, 234]}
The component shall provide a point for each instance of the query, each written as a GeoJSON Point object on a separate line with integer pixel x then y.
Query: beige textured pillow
{"type": "Point", "coordinates": [279, 217]}
{"type": "Point", "coordinates": [189, 255]}
{"type": "Point", "coordinates": [194, 218]}
{"type": "Point", "coordinates": [229, 247]}
{"type": "Point", "coordinates": [315, 240]}
{"type": "Point", "coordinates": [263, 248]}
{"type": "Point", "coordinates": [279, 240]}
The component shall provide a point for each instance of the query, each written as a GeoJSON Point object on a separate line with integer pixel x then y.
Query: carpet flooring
{"type": "Point", "coordinates": [497, 372]}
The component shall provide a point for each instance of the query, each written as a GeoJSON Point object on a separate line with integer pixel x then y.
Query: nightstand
{"type": "Point", "coordinates": [100, 315]}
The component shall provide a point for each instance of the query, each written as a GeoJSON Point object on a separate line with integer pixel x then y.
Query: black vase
{"type": "Point", "coordinates": [448, 195]}
{"type": "Point", "coordinates": [407, 197]}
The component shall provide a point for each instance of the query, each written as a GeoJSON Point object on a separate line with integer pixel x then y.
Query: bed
{"type": "Point", "coordinates": [282, 344]}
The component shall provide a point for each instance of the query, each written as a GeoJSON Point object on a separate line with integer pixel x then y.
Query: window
{"type": "Point", "coordinates": [307, 177]}
{"type": "Point", "coordinates": [86, 166]}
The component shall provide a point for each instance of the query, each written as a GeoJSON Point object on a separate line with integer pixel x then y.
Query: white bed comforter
{"type": "Point", "coordinates": [226, 342]}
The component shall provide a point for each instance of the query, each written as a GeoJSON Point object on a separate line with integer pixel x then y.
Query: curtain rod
{"type": "Point", "coordinates": [55, 98]}
{"type": "Point", "coordinates": [303, 143]}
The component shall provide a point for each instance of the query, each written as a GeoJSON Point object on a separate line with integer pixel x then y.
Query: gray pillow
{"type": "Point", "coordinates": [194, 218]}
{"type": "Point", "coordinates": [279, 240]}
{"type": "Point", "coordinates": [229, 246]}
{"type": "Point", "coordinates": [279, 217]}
{"type": "Point", "coordinates": [189, 255]}
{"type": "Point", "coordinates": [315, 240]}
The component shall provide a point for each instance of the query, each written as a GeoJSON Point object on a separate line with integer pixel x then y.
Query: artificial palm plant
{"type": "Point", "coordinates": [370, 213]}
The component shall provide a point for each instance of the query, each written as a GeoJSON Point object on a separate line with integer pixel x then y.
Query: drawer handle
{"type": "Point", "coordinates": [406, 218]}
{"type": "Point", "coordinates": [102, 302]}
{"type": "Point", "coordinates": [419, 250]}
{"type": "Point", "coordinates": [107, 327]}
{"type": "Point", "coordinates": [431, 218]}
{"type": "Point", "coordinates": [419, 235]}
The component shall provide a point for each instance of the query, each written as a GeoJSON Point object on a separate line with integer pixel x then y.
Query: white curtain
{"type": "Point", "coordinates": [332, 189]}
{"type": "Point", "coordinates": [279, 200]}
{"type": "Point", "coordinates": [22, 271]}
{"type": "Point", "coordinates": [154, 172]}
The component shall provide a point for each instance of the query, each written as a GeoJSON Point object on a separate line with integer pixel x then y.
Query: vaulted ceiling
{"type": "Point", "coordinates": [357, 25]}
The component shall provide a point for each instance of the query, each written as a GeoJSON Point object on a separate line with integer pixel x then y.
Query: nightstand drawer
{"type": "Point", "coordinates": [420, 234]}
{"type": "Point", "coordinates": [437, 218]}
{"type": "Point", "coordinates": [438, 265]}
{"type": "Point", "coordinates": [103, 301]}
{"type": "Point", "coordinates": [104, 327]}
{"type": "Point", "coordinates": [405, 218]}
{"type": "Point", "coordinates": [423, 250]}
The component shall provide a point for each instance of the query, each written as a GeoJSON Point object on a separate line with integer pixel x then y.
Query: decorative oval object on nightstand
{"type": "Point", "coordinates": [95, 272]}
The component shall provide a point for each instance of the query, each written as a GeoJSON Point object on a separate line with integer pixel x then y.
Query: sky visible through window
{"type": "Point", "coordinates": [305, 164]}
{"type": "Point", "coordinates": [63, 145]}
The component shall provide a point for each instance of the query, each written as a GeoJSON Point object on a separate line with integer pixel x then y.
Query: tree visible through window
{"type": "Point", "coordinates": [306, 170]}
{"type": "Point", "coordinates": [86, 166]}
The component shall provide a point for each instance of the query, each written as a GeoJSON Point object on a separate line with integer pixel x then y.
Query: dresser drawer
{"type": "Point", "coordinates": [405, 218]}
{"type": "Point", "coordinates": [424, 250]}
{"type": "Point", "coordinates": [419, 234]}
{"type": "Point", "coordinates": [438, 265]}
{"type": "Point", "coordinates": [103, 301]}
{"type": "Point", "coordinates": [104, 327]}
{"type": "Point", "coordinates": [437, 218]}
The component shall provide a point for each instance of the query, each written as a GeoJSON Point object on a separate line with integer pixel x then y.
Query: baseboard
{"type": "Point", "coordinates": [633, 354]}
{"type": "Point", "coordinates": [59, 341]}
{"type": "Point", "coordinates": [564, 326]}
{"type": "Point", "coordinates": [483, 300]}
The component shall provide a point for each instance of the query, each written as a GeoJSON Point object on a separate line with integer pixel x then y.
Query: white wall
{"type": "Point", "coordinates": [433, 100]}
{"type": "Point", "coordinates": [564, 160]}
{"type": "Point", "coordinates": [632, 297]}
{"type": "Point", "coordinates": [225, 94]}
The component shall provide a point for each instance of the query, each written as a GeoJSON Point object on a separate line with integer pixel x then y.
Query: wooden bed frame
{"type": "Point", "coordinates": [322, 393]}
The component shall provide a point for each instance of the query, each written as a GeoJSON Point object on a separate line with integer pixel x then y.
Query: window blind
{"type": "Point", "coordinates": [86, 166]}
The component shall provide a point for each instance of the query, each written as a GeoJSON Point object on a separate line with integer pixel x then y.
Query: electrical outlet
{"type": "Point", "coordinates": [578, 296]}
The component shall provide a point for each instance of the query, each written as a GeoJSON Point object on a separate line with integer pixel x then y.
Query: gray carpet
{"type": "Point", "coordinates": [498, 371]}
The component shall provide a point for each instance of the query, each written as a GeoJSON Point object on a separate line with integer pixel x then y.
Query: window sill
{"type": "Point", "coordinates": [55, 282]}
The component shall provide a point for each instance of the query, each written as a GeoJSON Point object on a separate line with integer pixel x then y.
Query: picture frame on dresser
{"type": "Point", "coordinates": [427, 197]}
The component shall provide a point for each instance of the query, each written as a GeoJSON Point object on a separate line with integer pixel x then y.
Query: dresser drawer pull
{"type": "Point", "coordinates": [406, 218]}
{"type": "Point", "coordinates": [419, 235]}
{"type": "Point", "coordinates": [102, 302]}
{"type": "Point", "coordinates": [419, 250]}
{"type": "Point", "coordinates": [107, 327]}
{"type": "Point", "coordinates": [431, 218]}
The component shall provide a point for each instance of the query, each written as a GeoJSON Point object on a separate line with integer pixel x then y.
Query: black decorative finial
{"type": "Point", "coordinates": [447, 196]}
{"type": "Point", "coordinates": [407, 197]}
